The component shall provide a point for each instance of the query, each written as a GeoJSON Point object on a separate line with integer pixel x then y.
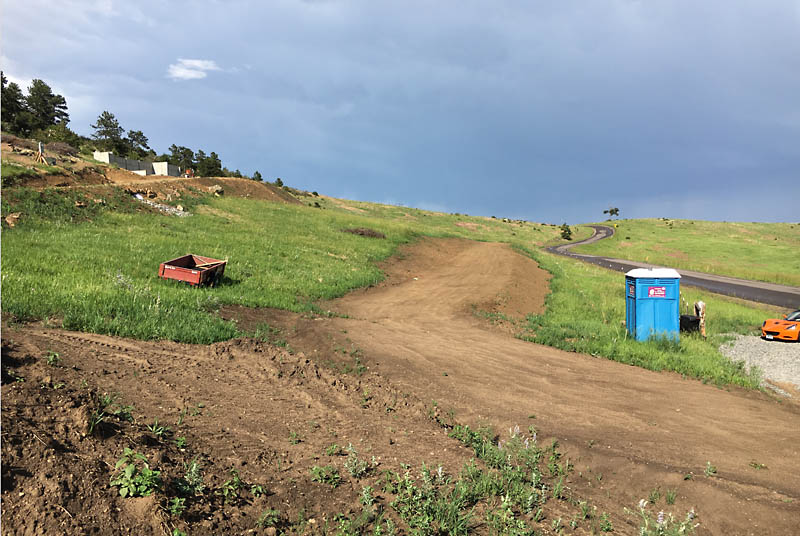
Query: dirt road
{"type": "Point", "coordinates": [638, 429]}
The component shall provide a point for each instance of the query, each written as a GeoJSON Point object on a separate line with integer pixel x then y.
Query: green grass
{"type": "Point", "coordinates": [585, 312]}
{"type": "Point", "coordinates": [99, 273]}
{"type": "Point", "coordinates": [55, 206]}
{"type": "Point", "coordinates": [13, 173]}
{"type": "Point", "coordinates": [757, 251]}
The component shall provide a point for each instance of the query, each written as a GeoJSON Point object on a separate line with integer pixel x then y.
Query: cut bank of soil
{"type": "Point", "coordinates": [626, 430]}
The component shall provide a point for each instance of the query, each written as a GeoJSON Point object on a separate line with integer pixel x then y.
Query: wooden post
{"type": "Point", "coordinates": [700, 310]}
{"type": "Point", "coordinates": [40, 155]}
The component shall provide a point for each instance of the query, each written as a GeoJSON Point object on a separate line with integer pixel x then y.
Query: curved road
{"type": "Point", "coordinates": [757, 291]}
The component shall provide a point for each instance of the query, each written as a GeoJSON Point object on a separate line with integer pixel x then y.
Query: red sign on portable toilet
{"type": "Point", "coordinates": [656, 292]}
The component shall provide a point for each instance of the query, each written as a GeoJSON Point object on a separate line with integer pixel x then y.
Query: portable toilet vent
{"type": "Point", "coordinates": [652, 299]}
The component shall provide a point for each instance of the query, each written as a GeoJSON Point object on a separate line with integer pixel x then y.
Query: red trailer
{"type": "Point", "coordinates": [193, 269]}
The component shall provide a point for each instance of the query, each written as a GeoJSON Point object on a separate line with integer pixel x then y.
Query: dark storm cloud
{"type": "Point", "coordinates": [677, 108]}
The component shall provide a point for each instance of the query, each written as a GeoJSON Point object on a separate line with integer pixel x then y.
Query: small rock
{"type": "Point", "coordinates": [12, 218]}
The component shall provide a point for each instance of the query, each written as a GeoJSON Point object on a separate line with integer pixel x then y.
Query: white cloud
{"type": "Point", "coordinates": [187, 69]}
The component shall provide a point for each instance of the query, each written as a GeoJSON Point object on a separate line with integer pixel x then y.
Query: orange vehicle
{"type": "Point", "coordinates": [787, 329]}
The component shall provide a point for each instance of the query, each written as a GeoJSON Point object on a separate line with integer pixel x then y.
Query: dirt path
{"type": "Point", "coordinates": [637, 428]}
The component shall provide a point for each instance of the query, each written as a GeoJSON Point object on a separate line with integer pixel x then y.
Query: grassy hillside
{"type": "Point", "coordinates": [100, 275]}
{"type": "Point", "coordinates": [758, 251]}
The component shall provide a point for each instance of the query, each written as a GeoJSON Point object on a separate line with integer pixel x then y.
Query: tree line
{"type": "Point", "coordinates": [43, 115]}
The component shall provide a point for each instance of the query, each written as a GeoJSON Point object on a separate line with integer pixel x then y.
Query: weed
{"type": "Point", "coordinates": [176, 506]}
{"type": "Point", "coordinates": [180, 442]}
{"type": "Point", "coordinates": [688, 476]}
{"type": "Point", "coordinates": [157, 430]}
{"type": "Point", "coordinates": [230, 488]}
{"type": "Point", "coordinates": [671, 495]}
{"type": "Point", "coordinates": [96, 419]}
{"type": "Point", "coordinates": [258, 490]}
{"type": "Point", "coordinates": [605, 523]}
{"type": "Point", "coordinates": [294, 437]}
{"type": "Point", "coordinates": [53, 359]}
{"type": "Point", "coordinates": [654, 495]}
{"type": "Point", "coordinates": [181, 417]}
{"type": "Point", "coordinates": [333, 450]}
{"type": "Point", "coordinates": [503, 521]}
{"type": "Point", "coordinates": [192, 482]}
{"type": "Point", "coordinates": [356, 467]}
{"type": "Point", "coordinates": [429, 504]}
{"type": "Point", "coordinates": [108, 406]}
{"type": "Point", "coordinates": [326, 475]}
{"type": "Point", "coordinates": [664, 524]}
{"type": "Point", "coordinates": [269, 518]}
{"type": "Point", "coordinates": [367, 498]}
{"type": "Point", "coordinates": [135, 479]}
{"type": "Point", "coordinates": [710, 469]}
{"type": "Point", "coordinates": [178, 532]}
{"type": "Point", "coordinates": [756, 465]}
{"type": "Point", "coordinates": [558, 488]}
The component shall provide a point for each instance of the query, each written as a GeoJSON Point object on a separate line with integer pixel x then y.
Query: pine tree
{"type": "Point", "coordinates": [45, 107]}
{"type": "Point", "coordinates": [108, 133]}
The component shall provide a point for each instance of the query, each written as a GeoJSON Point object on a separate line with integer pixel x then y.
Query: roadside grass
{"type": "Point", "coordinates": [757, 251]}
{"type": "Point", "coordinates": [579, 232]}
{"type": "Point", "coordinates": [585, 312]}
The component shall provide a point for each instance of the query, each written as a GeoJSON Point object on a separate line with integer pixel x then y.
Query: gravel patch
{"type": "Point", "coordinates": [779, 361]}
{"type": "Point", "coordinates": [166, 209]}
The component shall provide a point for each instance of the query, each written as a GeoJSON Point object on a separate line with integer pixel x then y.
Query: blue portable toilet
{"type": "Point", "coordinates": [652, 300]}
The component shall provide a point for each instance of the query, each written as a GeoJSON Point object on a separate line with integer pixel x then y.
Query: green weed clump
{"type": "Point", "coordinates": [585, 312]}
{"type": "Point", "coordinates": [663, 523]}
{"type": "Point", "coordinates": [135, 478]}
{"type": "Point", "coordinates": [512, 492]}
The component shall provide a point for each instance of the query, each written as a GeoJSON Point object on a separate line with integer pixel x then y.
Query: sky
{"type": "Point", "coordinates": [544, 111]}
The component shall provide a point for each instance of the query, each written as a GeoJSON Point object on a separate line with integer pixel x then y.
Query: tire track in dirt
{"type": "Point", "coordinates": [248, 390]}
{"type": "Point", "coordinates": [641, 429]}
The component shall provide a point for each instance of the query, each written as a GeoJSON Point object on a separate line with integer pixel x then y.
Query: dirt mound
{"type": "Point", "coordinates": [172, 188]}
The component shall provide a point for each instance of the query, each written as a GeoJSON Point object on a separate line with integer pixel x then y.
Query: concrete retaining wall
{"type": "Point", "coordinates": [138, 166]}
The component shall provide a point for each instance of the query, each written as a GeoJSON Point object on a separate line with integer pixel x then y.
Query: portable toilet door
{"type": "Point", "coordinates": [652, 303]}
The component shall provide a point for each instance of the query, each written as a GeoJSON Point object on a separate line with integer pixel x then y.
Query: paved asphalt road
{"type": "Point", "coordinates": [770, 293]}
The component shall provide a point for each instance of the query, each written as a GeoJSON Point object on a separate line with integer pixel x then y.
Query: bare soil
{"type": "Point", "coordinates": [270, 410]}
{"type": "Point", "coordinates": [75, 172]}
